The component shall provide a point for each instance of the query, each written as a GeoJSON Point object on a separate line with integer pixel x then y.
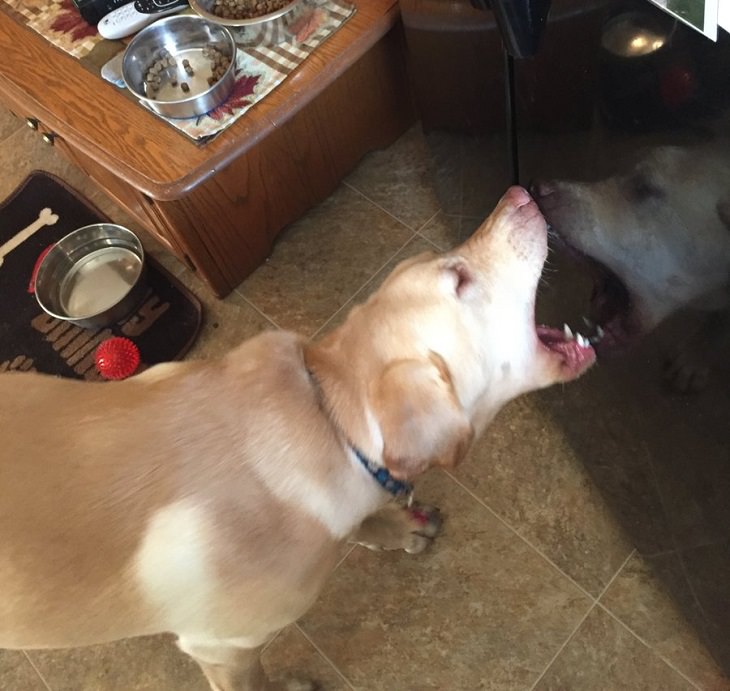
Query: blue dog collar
{"type": "Point", "coordinates": [383, 477]}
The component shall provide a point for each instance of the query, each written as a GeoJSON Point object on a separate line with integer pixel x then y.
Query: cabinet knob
{"type": "Point", "coordinates": [32, 123]}
{"type": "Point", "coordinates": [49, 138]}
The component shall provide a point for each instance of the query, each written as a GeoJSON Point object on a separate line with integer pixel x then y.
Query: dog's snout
{"type": "Point", "coordinates": [517, 196]}
{"type": "Point", "coordinates": [540, 189]}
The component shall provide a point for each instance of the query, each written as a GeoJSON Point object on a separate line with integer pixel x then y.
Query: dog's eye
{"type": "Point", "coordinates": [643, 189]}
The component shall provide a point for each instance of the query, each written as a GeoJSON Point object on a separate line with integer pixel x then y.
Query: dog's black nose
{"type": "Point", "coordinates": [539, 189]}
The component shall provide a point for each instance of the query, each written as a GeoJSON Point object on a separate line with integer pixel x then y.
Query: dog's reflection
{"type": "Point", "coordinates": [657, 238]}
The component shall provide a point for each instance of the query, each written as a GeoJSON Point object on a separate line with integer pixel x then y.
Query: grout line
{"type": "Point", "coordinates": [439, 247]}
{"type": "Point", "coordinates": [37, 671]}
{"type": "Point", "coordinates": [648, 646]}
{"type": "Point", "coordinates": [436, 246]}
{"type": "Point", "coordinates": [522, 537]}
{"type": "Point", "coordinates": [344, 556]}
{"type": "Point", "coordinates": [272, 639]}
{"type": "Point", "coordinates": [324, 656]}
{"type": "Point", "coordinates": [382, 208]}
{"type": "Point", "coordinates": [255, 307]}
{"type": "Point", "coordinates": [348, 304]}
{"type": "Point", "coordinates": [595, 604]}
{"type": "Point", "coordinates": [666, 509]}
{"type": "Point", "coordinates": [564, 645]}
{"type": "Point", "coordinates": [428, 220]}
{"type": "Point", "coordinates": [615, 576]}
{"type": "Point", "coordinates": [278, 633]}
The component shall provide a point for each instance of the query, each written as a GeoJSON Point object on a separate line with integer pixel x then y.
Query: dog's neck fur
{"type": "Point", "coordinates": [344, 400]}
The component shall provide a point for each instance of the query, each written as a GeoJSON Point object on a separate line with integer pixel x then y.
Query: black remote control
{"type": "Point", "coordinates": [157, 6]}
{"type": "Point", "coordinates": [93, 10]}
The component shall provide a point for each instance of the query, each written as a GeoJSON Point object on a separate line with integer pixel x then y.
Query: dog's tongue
{"type": "Point", "coordinates": [576, 352]}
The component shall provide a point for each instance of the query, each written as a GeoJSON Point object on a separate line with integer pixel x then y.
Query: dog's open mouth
{"type": "Point", "coordinates": [609, 324]}
{"type": "Point", "coordinates": [610, 313]}
{"type": "Point", "coordinates": [575, 350]}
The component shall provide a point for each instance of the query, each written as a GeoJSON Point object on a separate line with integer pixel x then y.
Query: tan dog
{"type": "Point", "coordinates": [209, 499]}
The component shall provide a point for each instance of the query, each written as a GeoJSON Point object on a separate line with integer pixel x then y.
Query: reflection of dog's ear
{"type": "Point", "coordinates": [420, 417]}
{"type": "Point", "coordinates": [723, 211]}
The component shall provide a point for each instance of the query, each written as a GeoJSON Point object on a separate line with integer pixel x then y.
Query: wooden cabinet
{"type": "Point", "coordinates": [219, 206]}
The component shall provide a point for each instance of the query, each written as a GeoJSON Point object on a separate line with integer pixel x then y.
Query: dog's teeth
{"type": "Point", "coordinates": [567, 333]}
{"type": "Point", "coordinates": [587, 322]}
{"type": "Point", "coordinates": [582, 340]}
{"type": "Point", "coordinates": [597, 337]}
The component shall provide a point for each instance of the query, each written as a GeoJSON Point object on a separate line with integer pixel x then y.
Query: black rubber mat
{"type": "Point", "coordinates": [163, 327]}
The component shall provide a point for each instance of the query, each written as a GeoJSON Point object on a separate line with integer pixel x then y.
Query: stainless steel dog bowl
{"type": "Point", "coordinates": [205, 9]}
{"type": "Point", "coordinates": [92, 277]}
{"type": "Point", "coordinates": [269, 28]}
{"type": "Point", "coordinates": [184, 37]}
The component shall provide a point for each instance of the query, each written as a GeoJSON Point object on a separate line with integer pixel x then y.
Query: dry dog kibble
{"type": "Point", "coordinates": [164, 69]}
{"type": "Point", "coordinates": [247, 9]}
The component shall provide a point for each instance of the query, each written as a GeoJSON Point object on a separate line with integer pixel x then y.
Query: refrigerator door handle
{"type": "Point", "coordinates": [521, 22]}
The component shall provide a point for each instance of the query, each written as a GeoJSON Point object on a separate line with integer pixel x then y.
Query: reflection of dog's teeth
{"type": "Point", "coordinates": [588, 323]}
{"type": "Point", "coordinates": [598, 337]}
{"type": "Point", "coordinates": [567, 333]}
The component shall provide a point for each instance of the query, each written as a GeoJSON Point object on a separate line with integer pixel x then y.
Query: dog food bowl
{"type": "Point", "coordinates": [268, 28]}
{"type": "Point", "coordinates": [186, 41]}
{"type": "Point", "coordinates": [92, 277]}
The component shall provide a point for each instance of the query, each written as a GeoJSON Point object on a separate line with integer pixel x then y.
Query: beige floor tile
{"type": "Point", "coordinates": [9, 123]}
{"type": "Point", "coordinates": [226, 323]}
{"type": "Point", "coordinates": [16, 673]}
{"type": "Point", "coordinates": [398, 179]}
{"type": "Point", "coordinates": [152, 663]}
{"type": "Point", "coordinates": [414, 246]}
{"type": "Point", "coordinates": [28, 152]}
{"type": "Point", "coordinates": [525, 469]}
{"type": "Point", "coordinates": [448, 231]}
{"type": "Point", "coordinates": [322, 260]}
{"type": "Point", "coordinates": [604, 656]}
{"type": "Point", "coordinates": [479, 610]}
{"type": "Point", "coordinates": [292, 656]}
{"type": "Point", "coordinates": [639, 600]}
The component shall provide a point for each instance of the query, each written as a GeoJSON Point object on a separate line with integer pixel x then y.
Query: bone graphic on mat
{"type": "Point", "coordinates": [45, 218]}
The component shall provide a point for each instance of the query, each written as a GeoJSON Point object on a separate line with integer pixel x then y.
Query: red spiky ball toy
{"type": "Point", "coordinates": [117, 358]}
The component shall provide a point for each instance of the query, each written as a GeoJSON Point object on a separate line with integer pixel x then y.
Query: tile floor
{"type": "Point", "coordinates": [532, 584]}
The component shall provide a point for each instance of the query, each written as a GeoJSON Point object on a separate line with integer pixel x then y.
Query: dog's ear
{"type": "Point", "coordinates": [420, 418]}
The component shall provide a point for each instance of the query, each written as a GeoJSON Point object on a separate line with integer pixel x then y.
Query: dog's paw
{"type": "Point", "coordinates": [426, 523]}
{"type": "Point", "coordinates": [686, 372]}
{"type": "Point", "coordinates": [426, 520]}
{"type": "Point", "coordinates": [408, 528]}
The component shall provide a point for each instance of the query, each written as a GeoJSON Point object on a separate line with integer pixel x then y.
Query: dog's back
{"type": "Point", "coordinates": [140, 522]}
